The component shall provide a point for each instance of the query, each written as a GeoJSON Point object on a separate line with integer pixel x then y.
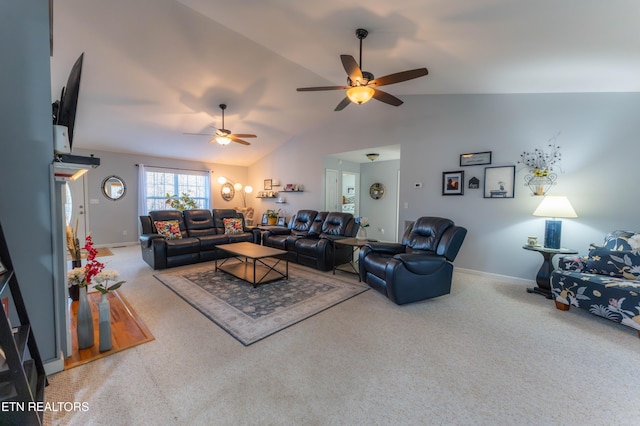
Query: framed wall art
{"type": "Point", "coordinates": [499, 181]}
{"type": "Point", "coordinates": [453, 183]}
{"type": "Point", "coordinates": [475, 158]}
{"type": "Point", "coordinates": [268, 184]}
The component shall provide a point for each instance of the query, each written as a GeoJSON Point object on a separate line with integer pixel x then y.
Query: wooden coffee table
{"type": "Point", "coordinates": [252, 267]}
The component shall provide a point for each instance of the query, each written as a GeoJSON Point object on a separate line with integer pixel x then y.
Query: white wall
{"type": "Point", "coordinates": [598, 142]}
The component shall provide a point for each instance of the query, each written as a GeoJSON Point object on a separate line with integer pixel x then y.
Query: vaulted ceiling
{"type": "Point", "coordinates": [156, 69]}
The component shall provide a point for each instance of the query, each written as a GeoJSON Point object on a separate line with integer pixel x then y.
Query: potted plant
{"type": "Point", "coordinates": [272, 216]}
{"type": "Point", "coordinates": [185, 202]}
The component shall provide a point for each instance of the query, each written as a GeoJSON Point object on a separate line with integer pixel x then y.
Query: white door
{"type": "Point", "coordinates": [74, 208]}
{"type": "Point", "coordinates": [331, 192]}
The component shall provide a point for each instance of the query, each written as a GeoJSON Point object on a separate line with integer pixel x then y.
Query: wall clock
{"type": "Point", "coordinates": [376, 191]}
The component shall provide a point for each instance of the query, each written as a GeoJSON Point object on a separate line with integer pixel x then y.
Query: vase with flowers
{"type": "Point", "coordinates": [82, 277]}
{"type": "Point", "coordinates": [103, 285]}
{"type": "Point", "coordinates": [363, 224]}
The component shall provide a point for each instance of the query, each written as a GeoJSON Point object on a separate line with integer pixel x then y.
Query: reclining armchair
{"type": "Point", "coordinates": [420, 268]}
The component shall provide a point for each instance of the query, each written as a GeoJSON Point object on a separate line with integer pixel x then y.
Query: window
{"type": "Point", "coordinates": [158, 182]}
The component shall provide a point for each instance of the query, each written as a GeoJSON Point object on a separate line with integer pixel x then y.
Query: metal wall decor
{"type": "Point", "coordinates": [376, 191]}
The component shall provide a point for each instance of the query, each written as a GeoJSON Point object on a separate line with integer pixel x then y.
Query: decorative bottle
{"type": "Point", "coordinates": [84, 321]}
{"type": "Point", "coordinates": [105, 323]}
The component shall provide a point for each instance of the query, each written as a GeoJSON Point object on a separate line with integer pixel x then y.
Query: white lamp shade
{"type": "Point", "coordinates": [555, 206]}
{"type": "Point", "coordinates": [222, 180]}
{"type": "Point", "coordinates": [248, 189]}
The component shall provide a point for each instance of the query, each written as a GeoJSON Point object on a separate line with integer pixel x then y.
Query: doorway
{"type": "Point", "coordinates": [75, 195]}
{"type": "Point", "coordinates": [351, 193]}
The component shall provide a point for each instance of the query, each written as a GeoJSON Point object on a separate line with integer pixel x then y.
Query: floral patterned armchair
{"type": "Point", "coordinates": [606, 282]}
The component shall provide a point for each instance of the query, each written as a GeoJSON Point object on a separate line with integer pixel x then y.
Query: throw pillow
{"type": "Point", "coordinates": [614, 263]}
{"type": "Point", "coordinates": [232, 226]}
{"type": "Point", "coordinates": [168, 229]}
{"type": "Point", "coordinates": [622, 240]}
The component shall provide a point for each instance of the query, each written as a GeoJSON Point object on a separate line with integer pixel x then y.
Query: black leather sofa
{"type": "Point", "coordinates": [309, 238]}
{"type": "Point", "coordinates": [420, 268]}
{"type": "Point", "coordinates": [201, 231]}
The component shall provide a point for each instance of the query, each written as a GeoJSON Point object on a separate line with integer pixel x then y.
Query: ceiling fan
{"type": "Point", "coordinates": [224, 136]}
{"type": "Point", "coordinates": [362, 85]}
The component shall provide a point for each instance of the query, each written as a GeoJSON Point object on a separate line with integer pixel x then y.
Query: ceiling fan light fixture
{"type": "Point", "coordinates": [372, 156]}
{"type": "Point", "coordinates": [360, 94]}
{"type": "Point", "coordinates": [223, 140]}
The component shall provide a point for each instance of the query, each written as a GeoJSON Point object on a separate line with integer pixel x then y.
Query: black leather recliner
{"type": "Point", "coordinates": [420, 268]}
{"type": "Point", "coordinates": [285, 238]}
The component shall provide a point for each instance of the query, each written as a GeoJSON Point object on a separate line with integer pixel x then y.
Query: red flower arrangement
{"type": "Point", "coordinates": [93, 267]}
{"type": "Point", "coordinates": [82, 276]}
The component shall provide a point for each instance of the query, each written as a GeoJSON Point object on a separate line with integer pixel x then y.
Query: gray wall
{"type": "Point", "coordinates": [27, 152]}
{"type": "Point", "coordinates": [382, 213]}
{"type": "Point", "coordinates": [116, 222]}
{"type": "Point", "coordinates": [598, 142]}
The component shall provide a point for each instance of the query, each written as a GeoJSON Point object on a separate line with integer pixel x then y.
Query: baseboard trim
{"type": "Point", "coordinates": [54, 365]}
{"type": "Point", "coordinates": [496, 276]}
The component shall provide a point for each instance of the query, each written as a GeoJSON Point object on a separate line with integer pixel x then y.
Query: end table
{"type": "Point", "coordinates": [543, 279]}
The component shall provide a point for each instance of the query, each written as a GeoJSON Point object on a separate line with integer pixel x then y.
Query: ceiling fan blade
{"type": "Point", "coordinates": [314, 89]}
{"type": "Point", "coordinates": [399, 77]}
{"type": "Point", "coordinates": [346, 101]}
{"type": "Point", "coordinates": [351, 67]}
{"type": "Point", "coordinates": [387, 98]}
{"type": "Point", "coordinates": [242, 135]}
{"type": "Point", "coordinates": [234, 139]}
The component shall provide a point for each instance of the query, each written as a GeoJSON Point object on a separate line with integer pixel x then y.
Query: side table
{"type": "Point", "coordinates": [355, 245]}
{"type": "Point", "coordinates": [543, 279]}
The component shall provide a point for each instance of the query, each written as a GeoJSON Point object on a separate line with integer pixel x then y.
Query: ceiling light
{"type": "Point", "coordinates": [372, 156]}
{"type": "Point", "coordinates": [223, 140]}
{"type": "Point", "coordinates": [360, 94]}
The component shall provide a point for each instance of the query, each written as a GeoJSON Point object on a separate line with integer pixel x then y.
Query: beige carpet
{"type": "Point", "coordinates": [487, 354]}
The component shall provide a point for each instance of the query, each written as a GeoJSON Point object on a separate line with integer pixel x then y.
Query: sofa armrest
{"type": "Point", "coordinates": [386, 248]}
{"type": "Point", "coordinates": [421, 263]}
{"type": "Point", "coordinates": [278, 230]}
{"type": "Point", "coordinates": [572, 263]}
{"type": "Point", "coordinates": [147, 239]}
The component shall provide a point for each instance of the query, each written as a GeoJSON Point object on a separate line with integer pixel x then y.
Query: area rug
{"type": "Point", "coordinates": [251, 314]}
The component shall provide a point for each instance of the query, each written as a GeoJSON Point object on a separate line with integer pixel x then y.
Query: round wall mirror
{"type": "Point", "coordinates": [113, 188]}
{"type": "Point", "coordinates": [227, 191]}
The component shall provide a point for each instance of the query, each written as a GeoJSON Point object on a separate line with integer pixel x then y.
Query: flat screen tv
{"type": "Point", "coordinates": [64, 110]}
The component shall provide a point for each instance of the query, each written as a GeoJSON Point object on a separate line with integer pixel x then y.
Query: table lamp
{"type": "Point", "coordinates": [554, 207]}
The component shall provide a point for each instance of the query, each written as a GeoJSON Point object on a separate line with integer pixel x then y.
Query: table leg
{"type": "Point", "coordinates": [543, 279]}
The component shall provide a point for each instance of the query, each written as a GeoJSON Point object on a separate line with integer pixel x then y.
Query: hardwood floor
{"type": "Point", "coordinates": [127, 329]}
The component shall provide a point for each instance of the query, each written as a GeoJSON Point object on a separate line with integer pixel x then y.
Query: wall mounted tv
{"type": "Point", "coordinates": [64, 110]}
